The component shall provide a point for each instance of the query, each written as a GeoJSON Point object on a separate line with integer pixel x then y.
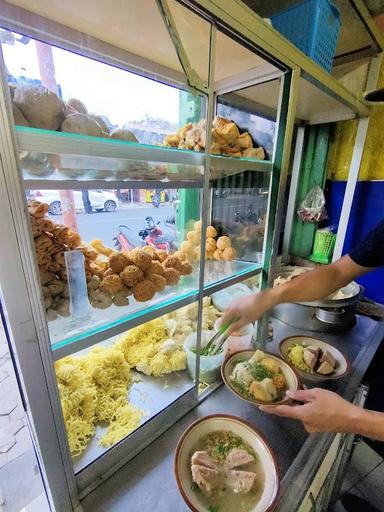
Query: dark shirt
{"type": "Point", "coordinates": [370, 251]}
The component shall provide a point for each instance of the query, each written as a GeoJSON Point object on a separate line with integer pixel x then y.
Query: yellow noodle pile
{"type": "Point", "coordinates": [147, 349]}
{"type": "Point", "coordinates": [78, 401]}
{"type": "Point", "coordinates": [94, 389]}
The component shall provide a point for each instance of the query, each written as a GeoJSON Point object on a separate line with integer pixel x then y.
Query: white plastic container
{"type": "Point", "coordinates": [242, 342]}
{"type": "Point", "coordinates": [209, 365]}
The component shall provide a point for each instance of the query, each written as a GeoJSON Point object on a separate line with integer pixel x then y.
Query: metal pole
{"type": "Point", "coordinates": [206, 192]}
{"type": "Point", "coordinates": [48, 79]}
{"type": "Point", "coordinates": [351, 186]}
{"type": "Point", "coordinates": [293, 191]}
{"type": "Point", "coordinates": [281, 157]}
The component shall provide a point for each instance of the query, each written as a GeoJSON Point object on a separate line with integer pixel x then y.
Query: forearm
{"type": "Point", "coordinates": [366, 423]}
{"type": "Point", "coordinates": [316, 284]}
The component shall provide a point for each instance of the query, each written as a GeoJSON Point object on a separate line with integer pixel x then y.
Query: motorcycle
{"type": "Point", "coordinates": [151, 235]}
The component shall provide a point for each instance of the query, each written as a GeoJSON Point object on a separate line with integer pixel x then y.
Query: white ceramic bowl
{"type": "Point", "coordinates": [250, 435]}
{"type": "Point", "coordinates": [209, 365]}
{"type": "Point", "coordinates": [242, 342]}
{"type": "Point", "coordinates": [343, 364]}
{"type": "Point", "coordinates": [291, 377]}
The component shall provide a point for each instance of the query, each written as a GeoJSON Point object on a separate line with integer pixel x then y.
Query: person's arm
{"type": "Point", "coordinates": [325, 411]}
{"type": "Point", "coordinates": [313, 285]}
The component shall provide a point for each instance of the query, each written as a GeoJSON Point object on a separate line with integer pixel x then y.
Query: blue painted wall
{"type": "Point", "coordinates": [367, 210]}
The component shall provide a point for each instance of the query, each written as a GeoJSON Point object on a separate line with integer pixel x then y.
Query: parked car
{"type": "Point", "coordinates": [101, 200]}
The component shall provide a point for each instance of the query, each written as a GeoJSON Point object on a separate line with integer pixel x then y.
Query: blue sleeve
{"type": "Point", "coordinates": [370, 251]}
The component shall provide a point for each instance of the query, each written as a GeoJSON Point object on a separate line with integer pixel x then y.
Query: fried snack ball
{"type": "Point", "coordinates": [172, 262]}
{"type": "Point", "coordinates": [186, 268]}
{"type": "Point", "coordinates": [191, 237]}
{"type": "Point", "coordinates": [211, 232]}
{"type": "Point", "coordinates": [161, 254]}
{"type": "Point", "coordinates": [55, 287]}
{"type": "Point", "coordinates": [180, 255]}
{"type": "Point", "coordinates": [149, 249]}
{"type": "Point", "coordinates": [131, 275]}
{"type": "Point", "coordinates": [118, 262]}
{"type": "Point", "coordinates": [159, 281]}
{"type": "Point", "coordinates": [120, 299]}
{"type": "Point", "coordinates": [218, 254]}
{"type": "Point", "coordinates": [144, 290]}
{"type": "Point", "coordinates": [223, 242]}
{"type": "Point", "coordinates": [172, 276]}
{"type": "Point", "coordinates": [111, 284]}
{"type": "Point", "coordinates": [51, 315]}
{"type": "Point", "coordinates": [141, 259]}
{"type": "Point", "coordinates": [229, 253]}
{"type": "Point", "coordinates": [197, 225]}
{"type": "Point", "coordinates": [101, 300]}
{"type": "Point", "coordinates": [186, 247]}
{"type": "Point", "coordinates": [155, 268]}
{"type": "Point", "coordinates": [210, 244]}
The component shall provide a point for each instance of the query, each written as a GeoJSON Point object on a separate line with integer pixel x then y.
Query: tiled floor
{"type": "Point", "coordinates": [365, 477]}
{"type": "Point", "coordinates": [18, 464]}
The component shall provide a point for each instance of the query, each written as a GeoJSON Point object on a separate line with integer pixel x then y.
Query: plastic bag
{"type": "Point", "coordinates": [312, 209]}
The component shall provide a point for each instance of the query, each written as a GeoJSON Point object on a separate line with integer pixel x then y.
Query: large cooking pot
{"type": "Point", "coordinates": [327, 315]}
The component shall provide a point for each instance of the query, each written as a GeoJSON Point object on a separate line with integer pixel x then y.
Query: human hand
{"type": "Point", "coordinates": [247, 310]}
{"type": "Point", "coordinates": [322, 411]}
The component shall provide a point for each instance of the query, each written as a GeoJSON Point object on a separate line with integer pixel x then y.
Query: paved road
{"type": "Point", "coordinates": [104, 225]}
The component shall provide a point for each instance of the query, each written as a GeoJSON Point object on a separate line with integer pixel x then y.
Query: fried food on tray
{"type": "Point", "coordinates": [144, 290]}
{"type": "Point", "coordinates": [140, 258]}
{"type": "Point", "coordinates": [111, 284]}
{"type": "Point", "coordinates": [101, 248]}
{"type": "Point", "coordinates": [37, 209]}
{"type": "Point", "coordinates": [172, 276]}
{"type": "Point", "coordinates": [159, 281]}
{"type": "Point", "coordinates": [118, 261]}
{"type": "Point", "coordinates": [172, 262]}
{"type": "Point", "coordinates": [131, 275]}
{"type": "Point", "coordinates": [155, 268]}
{"type": "Point", "coordinates": [186, 268]}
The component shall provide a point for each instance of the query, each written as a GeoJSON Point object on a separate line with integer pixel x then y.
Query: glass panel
{"type": "Point", "coordinates": [194, 34]}
{"type": "Point", "coordinates": [125, 381]}
{"type": "Point", "coordinates": [240, 189]}
{"type": "Point", "coordinates": [127, 244]}
{"type": "Point", "coordinates": [87, 97]}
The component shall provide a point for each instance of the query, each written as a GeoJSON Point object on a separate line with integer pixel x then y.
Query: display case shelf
{"type": "Point", "coordinates": [56, 160]}
{"type": "Point", "coordinates": [70, 335]}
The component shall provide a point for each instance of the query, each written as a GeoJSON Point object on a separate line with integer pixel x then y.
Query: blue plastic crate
{"type": "Point", "coordinates": [313, 26]}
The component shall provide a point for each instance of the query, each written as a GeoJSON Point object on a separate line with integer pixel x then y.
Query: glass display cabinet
{"type": "Point", "coordinates": [144, 155]}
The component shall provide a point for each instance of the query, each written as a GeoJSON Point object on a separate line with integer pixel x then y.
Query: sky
{"type": "Point", "coordinates": [105, 90]}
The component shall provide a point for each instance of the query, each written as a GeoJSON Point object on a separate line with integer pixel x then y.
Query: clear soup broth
{"type": "Point", "coordinates": [225, 495]}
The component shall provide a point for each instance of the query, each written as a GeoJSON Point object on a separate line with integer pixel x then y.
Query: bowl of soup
{"type": "Point", "coordinates": [223, 464]}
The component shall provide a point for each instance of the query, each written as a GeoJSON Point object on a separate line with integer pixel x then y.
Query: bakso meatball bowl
{"type": "Point", "coordinates": [259, 377]}
{"type": "Point", "coordinates": [223, 464]}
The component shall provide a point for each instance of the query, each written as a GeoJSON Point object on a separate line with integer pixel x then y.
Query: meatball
{"type": "Point", "coordinates": [144, 290]}
{"type": "Point", "coordinates": [172, 276]}
{"type": "Point", "coordinates": [131, 275]}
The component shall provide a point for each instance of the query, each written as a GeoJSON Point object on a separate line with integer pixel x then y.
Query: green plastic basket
{"type": "Point", "coordinates": [323, 246]}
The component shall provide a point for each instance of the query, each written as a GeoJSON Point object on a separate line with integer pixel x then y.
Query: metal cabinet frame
{"type": "Point", "coordinates": [20, 289]}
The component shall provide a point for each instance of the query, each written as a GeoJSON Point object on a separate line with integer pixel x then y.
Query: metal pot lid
{"type": "Point", "coordinates": [353, 292]}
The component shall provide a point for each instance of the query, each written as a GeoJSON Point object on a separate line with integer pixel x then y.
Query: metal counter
{"type": "Point", "coordinates": [147, 484]}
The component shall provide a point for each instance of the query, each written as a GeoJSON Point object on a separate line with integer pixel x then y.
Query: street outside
{"type": "Point", "coordinates": [104, 225]}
